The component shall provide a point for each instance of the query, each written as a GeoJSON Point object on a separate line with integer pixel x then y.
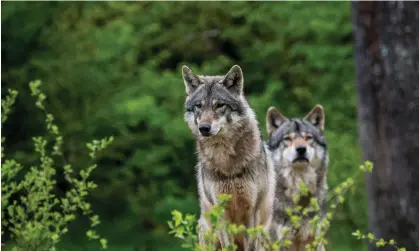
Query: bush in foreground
{"type": "Point", "coordinates": [185, 226]}
{"type": "Point", "coordinates": [34, 215]}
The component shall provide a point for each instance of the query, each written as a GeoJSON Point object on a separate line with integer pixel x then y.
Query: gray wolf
{"type": "Point", "coordinates": [299, 153]}
{"type": "Point", "coordinates": [232, 157]}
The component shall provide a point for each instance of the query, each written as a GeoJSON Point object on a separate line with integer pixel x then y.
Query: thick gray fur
{"type": "Point", "coordinates": [285, 135]}
{"type": "Point", "coordinates": [232, 157]}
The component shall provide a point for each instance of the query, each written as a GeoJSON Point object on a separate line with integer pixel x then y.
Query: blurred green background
{"type": "Point", "coordinates": [113, 68]}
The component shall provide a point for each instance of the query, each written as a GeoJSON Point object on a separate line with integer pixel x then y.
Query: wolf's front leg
{"type": "Point", "coordinates": [206, 244]}
{"type": "Point", "coordinates": [203, 227]}
{"type": "Point", "coordinates": [225, 240]}
{"type": "Point", "coordinates": [256, 244]}
{"type": "Point", "coordinates": [280, 235]}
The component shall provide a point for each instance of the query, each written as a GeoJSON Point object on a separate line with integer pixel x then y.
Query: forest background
{"type": "Point", "coordinates": [113, 68]}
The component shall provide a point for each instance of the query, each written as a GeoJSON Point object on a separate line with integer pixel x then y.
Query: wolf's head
{"type": "Point", "coordinates": [297, 142]}
{"type": "Point", "coordinates": [215, 105]}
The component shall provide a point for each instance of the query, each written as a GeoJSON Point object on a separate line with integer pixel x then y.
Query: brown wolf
{"type": "Point", "coordinates": [299, 154]}
{"type": "Point", "coordinates": [232, 157]}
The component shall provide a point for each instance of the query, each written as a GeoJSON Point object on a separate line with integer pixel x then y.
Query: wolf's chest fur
{"type": "Point", "coordinates": [229, 159]}
{"type": "Point", "coordinates": [293, 178]}
{"type": "Point", "coordinates": [238, 210]}
{"type": "Point", "coordinates": [289, 181]}
{"type": "Point", "coordinates": [232, 171]}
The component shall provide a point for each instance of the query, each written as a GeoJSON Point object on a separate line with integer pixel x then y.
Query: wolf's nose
{"type": "Point", "coordinates": [204, 129]}
{"type": "Point", "coordinates": [301, 150]}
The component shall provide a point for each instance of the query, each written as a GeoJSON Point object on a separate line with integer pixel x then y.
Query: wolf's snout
{"type": "Point", "coordinates": [301, 150]}
{"type": "Point", "coordinates": [300, 157]}
{"type": "Point", "coordinates": [205, 129]}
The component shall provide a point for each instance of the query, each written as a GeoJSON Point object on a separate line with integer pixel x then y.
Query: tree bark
{"type": "Point", "coordinates": [387, 75]}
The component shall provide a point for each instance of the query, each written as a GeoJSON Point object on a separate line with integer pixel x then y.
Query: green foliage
{"type": "Point", "coordinates": [185, 228]}
{"type": "Point", "coordinates": [378, 242]}
{"type": "Point", "coordinates": [113, 68]}
{"type": "Point", "coordinates": [7, 103]}
{"type": "Point", "coordinates": [34, 215]}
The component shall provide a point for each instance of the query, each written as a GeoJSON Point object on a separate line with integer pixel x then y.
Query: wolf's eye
{"type": "Point", "coordinates": [309, 137]}
{"type": "Point", "coordinates": [287, 138]}
{"type": "Point", "coordinates": [198, 106]}
{"type": "Point", "coordinates": [220, 105]}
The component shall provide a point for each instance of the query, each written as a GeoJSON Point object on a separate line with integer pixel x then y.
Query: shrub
{"type": "Point", "coordinates": [34, 215]}
{"type": "Point", "coordinates": [185, 226]}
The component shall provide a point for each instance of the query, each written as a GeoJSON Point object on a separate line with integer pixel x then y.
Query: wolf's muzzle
{"type": "Point", "coordinates": [205, 129]}
{"type": "Point", "coordinates": [301, 150]}
{"type": "Point", "coordinates": [301, 154]}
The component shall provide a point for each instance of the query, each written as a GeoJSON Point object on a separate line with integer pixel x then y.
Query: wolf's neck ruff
{"type": "Point", "coordinates": [229, 155]}
{"type": "Point", "coordinates": [292, 178]}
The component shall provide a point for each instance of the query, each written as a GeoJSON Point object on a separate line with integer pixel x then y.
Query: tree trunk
{"type": "Point", "coordinates": [387, 72]}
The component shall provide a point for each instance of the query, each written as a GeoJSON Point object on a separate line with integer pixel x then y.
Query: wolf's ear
{"type": "Point", "coordinates": [233, 80]}
{"type": "Point", "coordinates": [316, 117]}
{"type": "Point", "coordinates": [274, 119]}
{"type": "Point", "coordinates": [190, 79]}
